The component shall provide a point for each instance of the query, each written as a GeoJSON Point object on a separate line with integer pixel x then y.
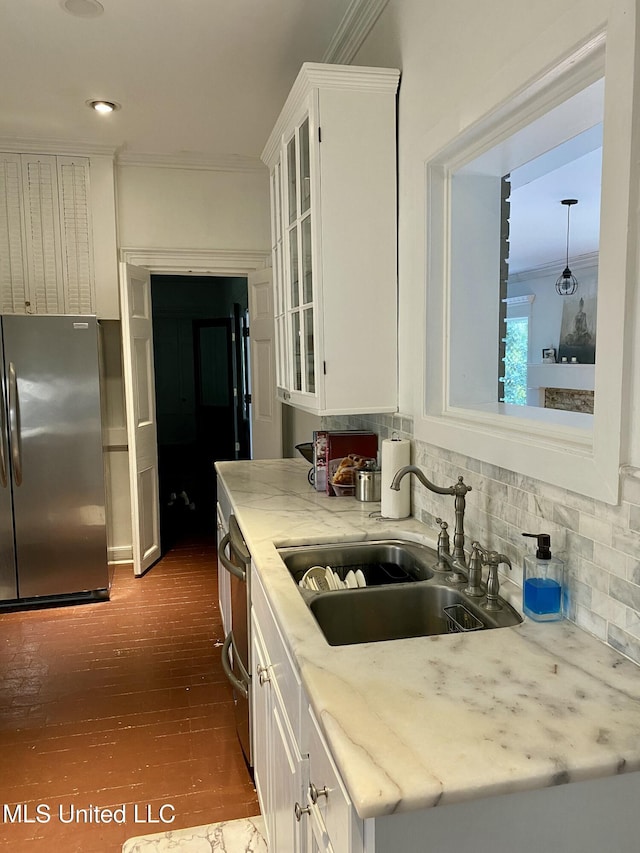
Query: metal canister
{"type": "Point", "coordinates": [368, 485]}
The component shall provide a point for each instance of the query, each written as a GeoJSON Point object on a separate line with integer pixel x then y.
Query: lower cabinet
{"type": "Point", "coordinates": [332, 823]}
{"type": "Point", "coordinates": [280, 771]}
{"type": "Point", "coordinates": [303, 801]}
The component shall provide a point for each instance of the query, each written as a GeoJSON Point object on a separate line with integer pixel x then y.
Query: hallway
{"type": "Point", "coordinates": [119, 705]}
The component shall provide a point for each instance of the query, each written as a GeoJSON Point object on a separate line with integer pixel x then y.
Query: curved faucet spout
{"type": "Point", "coordinates": [413, 469]}
{"type": "Point", "coordinates": [459, 489]}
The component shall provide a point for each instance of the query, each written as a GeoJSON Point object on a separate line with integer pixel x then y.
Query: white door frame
{"type": "Point", "coordinates": [196, 262]}
{"type": "Point", "coordinates": [200, 262]}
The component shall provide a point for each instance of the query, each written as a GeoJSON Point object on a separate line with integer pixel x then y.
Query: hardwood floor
{"type": "Point", "coordinates": [119, 705]}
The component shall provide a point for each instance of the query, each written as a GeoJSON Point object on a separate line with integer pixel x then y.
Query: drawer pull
{"type": "Point", "coordinates": [298, 810]}
{"type": "Point", "coordinates": [314, 792]}
{"type": "Point", "coordinates": [263, 675]}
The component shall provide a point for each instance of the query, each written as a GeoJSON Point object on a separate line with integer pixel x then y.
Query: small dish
{"type": "Point", "coordinates": [315, 578]}
{"type": "Point", "coordinates": [360, 578]}
{"type": "Point", "coordinates": [350, 580]}
{"type": "Point", "coordinates": [332, 578]}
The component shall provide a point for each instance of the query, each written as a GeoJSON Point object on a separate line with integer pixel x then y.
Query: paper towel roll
{"type": "Point", "coordinates": [396, 453]}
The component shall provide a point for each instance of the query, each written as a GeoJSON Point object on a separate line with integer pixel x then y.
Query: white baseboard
{"type": "Point", "coordinates": [119, 554]}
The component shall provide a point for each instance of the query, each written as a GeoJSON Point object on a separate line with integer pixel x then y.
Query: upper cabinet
{"type": "Point", "coordinates": [332, 158]}
{"type": "Point", "coordinates": [46, 246]}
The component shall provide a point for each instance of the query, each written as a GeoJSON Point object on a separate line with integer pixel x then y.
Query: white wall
{"type": "Point", "coordinates": [297, 428]}
{"type": "Point", "coordinates": [194, 209]}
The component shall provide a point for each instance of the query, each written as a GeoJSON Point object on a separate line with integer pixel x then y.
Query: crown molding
{"type": "Point", "coordinates": [229, 262]}
{"type": "Point", "coordinates": [27, 145]}
{"type": "Point", "coordinates": [195, 162]}
{"type": "Point", "coordinates": [554, 268]}
{"type": "Point", "coordinates": [353, 29]}
{"type": "Point", "coordinates": [317, 75]}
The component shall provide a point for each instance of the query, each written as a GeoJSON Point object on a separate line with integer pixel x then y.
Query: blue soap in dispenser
{"type": "Point", "coordinates": [543, 582]}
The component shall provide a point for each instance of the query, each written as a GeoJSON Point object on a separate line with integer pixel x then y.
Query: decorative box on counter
{"type": "Point", "coordinates": [338, 455]}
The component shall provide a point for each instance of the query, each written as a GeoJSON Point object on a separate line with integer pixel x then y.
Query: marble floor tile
{"type": "Point", "coordinates": [246, 835]}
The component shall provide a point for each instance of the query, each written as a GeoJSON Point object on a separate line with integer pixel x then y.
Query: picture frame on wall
{"type": "Point", "coordinates": [578, 329]}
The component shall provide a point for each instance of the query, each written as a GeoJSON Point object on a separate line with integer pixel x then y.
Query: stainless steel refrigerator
{"type": "Point", "coordinates": [52, 515]}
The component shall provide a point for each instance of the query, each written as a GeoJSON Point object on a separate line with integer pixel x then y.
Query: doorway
{"type": "Point", "coordinates": [200, 333]}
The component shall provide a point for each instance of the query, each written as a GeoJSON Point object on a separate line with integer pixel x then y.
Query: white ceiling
{"type": "Point", "coordinates": [202, 80]}
{"type": "Point", "coordinates": [538, 223]}
{"type": "Point", "coordinates": [193, 77]}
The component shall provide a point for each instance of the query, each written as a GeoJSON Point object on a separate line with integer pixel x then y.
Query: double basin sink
{"type": "Point", "coordinates": [405, 594]}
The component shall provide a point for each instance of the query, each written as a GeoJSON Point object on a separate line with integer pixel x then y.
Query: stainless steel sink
{"type": "Point", "coordinates": [406, 596]}
{"type": "Point", "coordinates": [392, 613]}
{"type": "Point", "coordinates": [384, 562]}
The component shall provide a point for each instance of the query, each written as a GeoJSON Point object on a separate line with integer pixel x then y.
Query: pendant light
{"type": "Point", "coordinates": [567, 283]}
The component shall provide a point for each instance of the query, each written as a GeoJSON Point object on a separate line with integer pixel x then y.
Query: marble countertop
{"type": "Point", "coordinates": [428, 721]}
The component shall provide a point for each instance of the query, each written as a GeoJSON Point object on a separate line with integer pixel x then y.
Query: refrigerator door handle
{"type": "Point", "coordinates": [14, 425]}
{"type": "Point", "coordinates": [3, 438]}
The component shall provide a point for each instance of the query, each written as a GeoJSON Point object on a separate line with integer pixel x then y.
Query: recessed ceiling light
{"type": "Point", "coordinates": [103, 106]}
{"type": "Point", "coordinates": [83, 8]}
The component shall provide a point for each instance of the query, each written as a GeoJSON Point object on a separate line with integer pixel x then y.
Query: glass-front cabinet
{"type": "Point", "coordinates": [333, 223]}
{"type": "Point", "coordinates": [299, 266]}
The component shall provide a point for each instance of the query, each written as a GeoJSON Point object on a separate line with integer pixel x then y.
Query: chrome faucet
{"type": "Point", "coordinates": [459, 489]}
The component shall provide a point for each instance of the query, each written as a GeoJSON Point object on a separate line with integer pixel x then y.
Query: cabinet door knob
{"type": "Point", "coordinates": [314, 792]}
{"type": "Point", "coordinates": [263, 674]}
{"type": "Point", "coordinates": [299, 810]}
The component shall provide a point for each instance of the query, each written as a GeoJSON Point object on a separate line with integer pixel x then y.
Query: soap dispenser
{"type": "Point", "coordinates": [543, 582]}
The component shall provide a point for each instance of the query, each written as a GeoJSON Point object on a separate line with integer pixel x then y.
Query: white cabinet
{"type": "Point", "coordinates": [332, 157]}
{"type": "Point", "coordinates": [303, 800]}
{"type": "Point", "coordinates": [46, 251]}
{"type": "Point", "coordinates": [280, 771]}
{"type": "Point", "coordinates": [333, 824]}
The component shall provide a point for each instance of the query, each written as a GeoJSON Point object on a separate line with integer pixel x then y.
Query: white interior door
{"type": "Point", "coordinates": [139, 384]}
{"type": "Point", "coordinates": [266, 410]}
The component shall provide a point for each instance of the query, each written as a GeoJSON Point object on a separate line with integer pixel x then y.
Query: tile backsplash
{"type": "Point", "coordinates": [599, 543]}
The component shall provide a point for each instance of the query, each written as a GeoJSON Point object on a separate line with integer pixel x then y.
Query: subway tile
{"type": "Point", "coordinates": [626, 540]}
{"type": "Point", "coordinates": [631, 488]}
{"type": "Point", "coordinates": [590, 574]}
{"type": "Point", "coordinates": [579, 545]}
{"type": "Point", "coordinates": [632, 622]}
{"type": "Point", "coordinates": [580, 594]}
{"type": "Point", "coordinates": [624, 643]}
{"type": "Point", "coordinates": [541, 507]}
{"type": "Point", "coordinates": [591, 622]}
{"type": "Point", "coordinates": [627, 593]}
{"type": "Point", "coordinates": [634, 518]}
{"type": "Point", "coordinates": [609, 608]}
{"type": "Point", "coordinates": [610, 560]}
{"type": "Point", "coordinates": [581, 502]}
{"type": "Point", "coordinates": [566, 516]}
{"type": "Point", "coordinates": [596, 528]}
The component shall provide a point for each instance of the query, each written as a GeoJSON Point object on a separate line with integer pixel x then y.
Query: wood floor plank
{"type": "Point", "coordinates": [119, 704]}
